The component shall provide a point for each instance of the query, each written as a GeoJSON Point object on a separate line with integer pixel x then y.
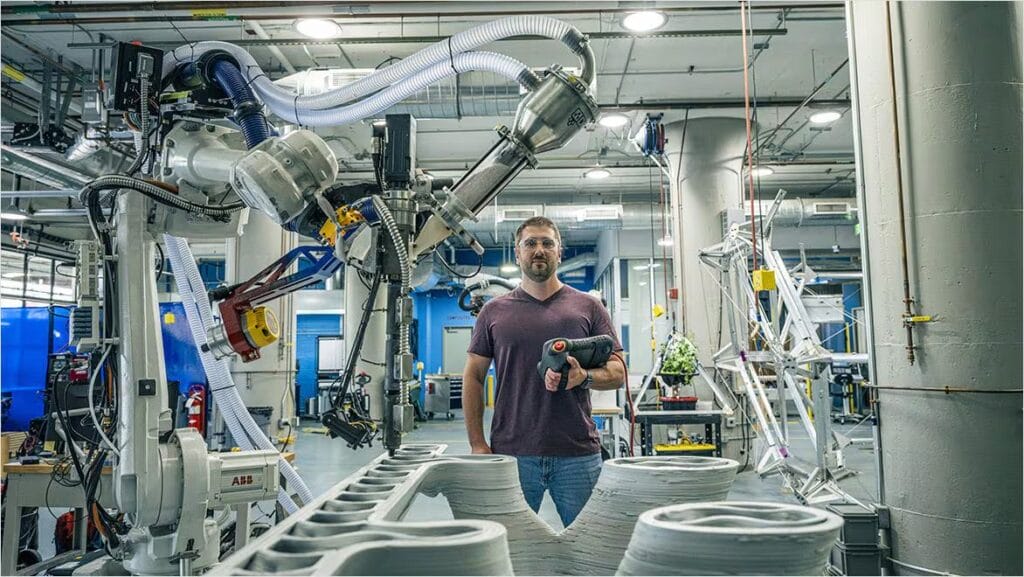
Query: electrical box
{"type": "Point", "coordinates": [133, 64]}
{"type": "Point", "coordinates": [764, 280]}
{"type": "Point", "coordinates": [400, 150]}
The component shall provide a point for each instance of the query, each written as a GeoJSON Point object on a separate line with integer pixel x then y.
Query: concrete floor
{"type": "Point", "coordinates": [323, 462]}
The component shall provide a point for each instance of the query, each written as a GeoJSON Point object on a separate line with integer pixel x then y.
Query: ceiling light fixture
{"type": "Point", "coordinates": [825, 117]}
{"type": "Point", "coordinates": [319, 28]}
{"type": "Point", "coordinates": [644, 21]}
{"type": "Point", "coordinates": [13, 214]}
{"type": "Point", "coordinates": [597, 173]}
{"type": "Point", "coordinates": [665, 241]}
{"type": "Point", "coordinates": [509, 268]}
{"type": "Point", "coordinates": [762, 171]}
{"type": "Point", "coordinates": [613, 120]}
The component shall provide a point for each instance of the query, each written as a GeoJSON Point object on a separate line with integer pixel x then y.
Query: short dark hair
{"type": "Point", "coordinates": [539, 221]}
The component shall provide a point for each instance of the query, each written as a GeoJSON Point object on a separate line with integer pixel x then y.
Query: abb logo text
{"type": "Point", "coordinates": [241, 480]}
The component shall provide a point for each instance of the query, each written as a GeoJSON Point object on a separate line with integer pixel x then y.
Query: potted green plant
{"type": "Point", "coordinates": [678, 367]}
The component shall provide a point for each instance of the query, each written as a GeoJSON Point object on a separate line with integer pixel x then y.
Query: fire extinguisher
{"type": "Point", "coordinates": [195, 405]}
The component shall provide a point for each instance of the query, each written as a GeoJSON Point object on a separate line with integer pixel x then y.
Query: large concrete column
{"type": "Point", "coordinates": [951, 463]}
{"type": "Point", "coordinates": [705, 157]}
{"type": "Point", "coordinates": [270, 380]}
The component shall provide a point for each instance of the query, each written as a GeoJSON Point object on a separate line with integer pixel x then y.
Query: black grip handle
{"type": "Point", "coordinates": [590, 352]}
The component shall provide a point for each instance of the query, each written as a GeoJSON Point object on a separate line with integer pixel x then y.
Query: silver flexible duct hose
{"type": "Point", "coordinates": [443, 51]}
{"type": "Point", "coordinates": [402, 252]}
{"type": "Point", "coordinates": [222, 386]}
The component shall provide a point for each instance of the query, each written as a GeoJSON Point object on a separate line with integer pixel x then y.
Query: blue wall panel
{"type": "Point", "coordinates": [24, 337]}
{"type": "Point", "coordinates": [307, 328]}
{"type": "Point", "coordinates": [180, 355]}
{"type": "Point", "coordinates": [23, 357]}
{"type": "Point", "coordinates": [436, 310]}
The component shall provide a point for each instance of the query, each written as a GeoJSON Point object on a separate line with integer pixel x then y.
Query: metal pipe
{"type": "Point", "coordinates": [720, 103]}
{"type": "Point", "coordinates": [49, 193]}
{"type": "Point", "coordinates": [98, 7]}
{"type": "Point", "coordinates": [273, 43]}
{"type": "Point", "coordinates": [331, 13]}
{"type": "Point", "coordinates": [907, 299]}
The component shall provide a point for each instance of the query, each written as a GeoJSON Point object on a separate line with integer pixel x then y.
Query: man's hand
{"type": "Point", "coordinates": [576, 376]}
{"type": "Point", "coordinates": [483, 449]}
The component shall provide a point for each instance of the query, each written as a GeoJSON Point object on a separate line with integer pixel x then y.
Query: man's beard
{"type": "Point", "coordinates": [539, 273]}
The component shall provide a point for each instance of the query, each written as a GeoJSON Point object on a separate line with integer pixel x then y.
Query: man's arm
{"type": "Point", "coordinates": [606, 378]}
{"type": "Point", "coordinates": [611, 376]}
{"type": "Point", "coordinates": [473, 401]}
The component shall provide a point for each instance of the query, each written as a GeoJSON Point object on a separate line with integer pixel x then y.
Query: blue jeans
{"type": "Point", "coordinates": [570, 480]}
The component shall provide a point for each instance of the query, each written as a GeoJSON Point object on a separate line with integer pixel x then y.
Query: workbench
{"type": "Point", "coordinates": [31, 486]}
{"type": "Point", "coordinates": [712, 421]}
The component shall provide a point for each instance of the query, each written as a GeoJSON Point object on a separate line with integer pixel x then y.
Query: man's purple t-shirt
{"type": "Point", "coordinates": [529, 419]}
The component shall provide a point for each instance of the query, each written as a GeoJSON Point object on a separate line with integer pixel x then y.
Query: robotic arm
{"type": "Point", "coordinates": [165, 480]}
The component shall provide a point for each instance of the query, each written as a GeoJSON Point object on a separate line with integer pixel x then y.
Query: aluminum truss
{"type": "Point", "coordinates": [783, 346]}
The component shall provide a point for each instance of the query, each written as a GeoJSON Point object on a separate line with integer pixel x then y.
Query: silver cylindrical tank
{"type": "Point", "coordinates": [951, 463]}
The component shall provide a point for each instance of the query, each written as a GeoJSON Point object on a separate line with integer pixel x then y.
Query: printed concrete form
{"type": "Point", "coordinates": [355, 528]}
{"type": "Point", "coordinates": [731, 538]}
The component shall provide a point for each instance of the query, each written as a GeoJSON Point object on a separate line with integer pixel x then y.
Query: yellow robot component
{"type": "Point", "coordinates": [346, 216]}
{"type": "Point", "coordinates": [261, 326]}
{"type": "Point", "coordinates": [764, 280]}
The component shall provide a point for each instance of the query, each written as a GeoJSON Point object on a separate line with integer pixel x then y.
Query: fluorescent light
{"type": "Point", "coordinates": [509, 268]}
{"type": "Point", "coordinates": [319, 28]}
{"type": "Point", "coordinates": [379, 122]}
{"type": "Point", "coordinates": [825, 117]}
{"type": "Point", "coordinates": [613, 120]}
{"type": "Point", "coordinates": [665, 241]}
{"type": "Point", "coordinates": [644, 21]}
{"type": "Point", "coordinates": [13, 274]}
{"type": "Point", "coordinates": [13, 215]}
{"type": "Point", "coordinates": [640, 267]}
{"type": "Point", "coordinates": [597, 173]}
{"type": "Point", "coordinates": [762, 171]}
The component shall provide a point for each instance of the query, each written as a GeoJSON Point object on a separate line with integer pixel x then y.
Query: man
{"type": "Point", "coordinates": [550, 432]}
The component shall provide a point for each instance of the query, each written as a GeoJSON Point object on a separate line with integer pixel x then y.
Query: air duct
{"type": "Point", "coordinates": [504, 219]}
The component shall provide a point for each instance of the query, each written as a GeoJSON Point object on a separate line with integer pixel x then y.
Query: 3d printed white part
{"type": "Point", "coordinates": [731, 538]}
{"type": "Point", "coordinates": [356, 528]}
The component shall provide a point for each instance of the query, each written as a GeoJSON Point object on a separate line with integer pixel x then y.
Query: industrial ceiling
{"type": "Point", "coordinates": [689, 68]}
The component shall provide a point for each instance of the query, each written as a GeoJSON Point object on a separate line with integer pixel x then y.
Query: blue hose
{"type": "Point", "coordinates": [248, 113]}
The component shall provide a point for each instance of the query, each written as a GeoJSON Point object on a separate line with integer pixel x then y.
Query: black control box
{"type": "Point", "coordinates": [400, 150]}
{"type": "Point", "coordinates": [134, 63]}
